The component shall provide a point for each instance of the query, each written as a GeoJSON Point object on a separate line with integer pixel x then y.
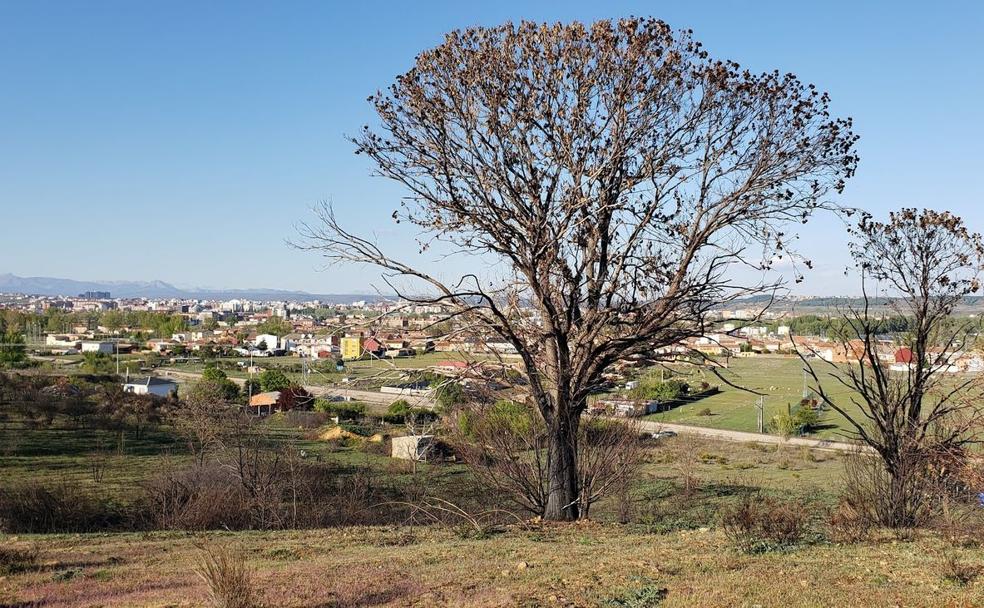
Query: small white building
{"type": "Point", "coordinates": [271, 341]}
{"type": "Point", "coordinates": [412, 447]}
{"type": "Point", "coordinates": [98, 347]}
{"type": "Point", "coordinates": [150, 385]}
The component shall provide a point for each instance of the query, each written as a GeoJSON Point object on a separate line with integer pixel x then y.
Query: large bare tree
{"type": "Point", "coordinates": [905, 400]}
{"type": "Point", "coordinates": [612, 172]}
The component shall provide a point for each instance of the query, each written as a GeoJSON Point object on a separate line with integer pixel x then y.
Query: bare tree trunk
{"type": "Point", "coordinates": [562, 500]}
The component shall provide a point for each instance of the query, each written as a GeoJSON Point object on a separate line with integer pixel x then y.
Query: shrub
{"type": "Point", "coordinates": [783, 425]}
{"type": "Point", "coordinates": [954, 570]}
{"type": "Point", "coordinates": [795, 422]}
{"type": "Point", "coordinates": [847, 524]}
{"type": "Point", "coordinates": [17, 559]}
{"type": "Point", "coordinates": [806, 418]}
{"type": "Point", "coordinates": [227, 576]}
{"type": "Point", "coordinates": [650, 388]}
{"type": "Point", "coordinates": [274, 380]}
{"type": "Point", "coordinates": [505, 445]}
{"type": "Point", "coordinates": [347, 410]}
{"type": "Point", "coordinates": [397, 412]}
{"type": "Point", "coordinates": [198, 498]}
{"type": "Point", "coordinates": [33, 508]}
{"type": "Point", "coordinates": [448, 394]}
{"type": "Point", "coordinates": [904, 500]}
{"type": "Point", "coordinates": [759, 523]}
{"type": "Point", "coordinates": [647, 594]}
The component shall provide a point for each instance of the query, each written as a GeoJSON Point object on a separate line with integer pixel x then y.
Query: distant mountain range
{"type": "Point", "coordinates": [49, 286]}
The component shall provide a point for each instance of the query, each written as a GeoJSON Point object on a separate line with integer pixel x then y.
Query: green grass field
{"type": "Point", "coordinates": [780, 379]}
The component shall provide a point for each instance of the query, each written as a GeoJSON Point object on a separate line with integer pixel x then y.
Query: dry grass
{"type": "Point", "coordinates": [572, 565]}
{"type": "Point", "coordinates": [227, 577]}
{"type": "Point", "coordinates": [15, 558]}
{"type": "Point", "coordinates": [584, 564]}
{"type": "Point", "coordinates": [955, 569]}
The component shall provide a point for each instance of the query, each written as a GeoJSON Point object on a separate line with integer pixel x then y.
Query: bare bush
{"type": "Point", "coordinates": [686, 450]}
{"type": "Point", "coordinates": [467, 524]}
{"type": "Point", "coordinates": [955, 570]}
{"type": "Point", "coordinates": [847, 524]}
{"type": "Point", "coordinates": [885, 498]}
{"type": "Point", "coordinates": [15, 559]}
{"type": "Point", "coordinates": [203, 419]}
{"type": "Point", "coordinates": [761, 523]}
{"type": "Point", "coordinates": [36, 508]}
{"type": "Point", "coordinates": [507, 447]}
{"type": "Point", "coordinates": [608, 455]}
{"type": "Point", "coordinates": [227, 576]}
{"type": "Point", "coordinates": [197, 498]}
{"type": "Point", "coordinates": [267, 486]}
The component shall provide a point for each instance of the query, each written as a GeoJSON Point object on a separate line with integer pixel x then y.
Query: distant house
{"type": "Point", "coordinates": [150, 385]}
{"type": "Point", "coordinates": [266, 403]}
{"type": "Point", "coordinates": [279, 401]}
{"type": "Point", "coordinates": [451, 365]}
{"type": "Point", "coordinates": [624, 408]}
{"type": "Point", "coordinates": [903, 355]}
{"type": "Point", "coordinates": [412, 447]}
{"type": "Point", "coordinates": [267, 342]}
{"type": "Point", "coordinates": [98, 347]}
{"type": "Point", "coordinates": [374, 346]}
{"type": "Point", "coordinates": [159, 345]}
{"type": "Point", "coordinates": [351, 347]}
{"type": "Point", "coordinates": [62, 340]}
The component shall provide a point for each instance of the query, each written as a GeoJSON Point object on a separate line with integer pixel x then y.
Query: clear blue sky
{"type": "Point", "coordinates": [182, 141]}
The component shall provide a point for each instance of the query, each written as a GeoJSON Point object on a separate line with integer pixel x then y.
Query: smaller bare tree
{"type": "Point", "coordinates": [686, 450]}
{"type": "Point", "coordinates": [203, 418]}
{"type": "Point", "coordinates": [926, 263]}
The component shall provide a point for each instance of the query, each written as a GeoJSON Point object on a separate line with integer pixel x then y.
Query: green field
{"type": "Point", "coordinates": [779, 379]}
{"type": "Point", "coordinates": [66, 454]}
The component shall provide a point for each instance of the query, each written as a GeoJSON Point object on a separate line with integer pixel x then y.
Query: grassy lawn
{"type": "Point", "coordinates": [63, 453]}
{"type": "Point", "coordinates": [780, 379]}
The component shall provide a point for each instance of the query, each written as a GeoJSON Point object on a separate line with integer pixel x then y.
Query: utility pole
{"type": "Point", "coordinates": [760, 411]}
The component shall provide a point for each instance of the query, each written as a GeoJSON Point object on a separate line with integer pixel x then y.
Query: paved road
{"type": "Point", "coordinates": [742, 437]}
